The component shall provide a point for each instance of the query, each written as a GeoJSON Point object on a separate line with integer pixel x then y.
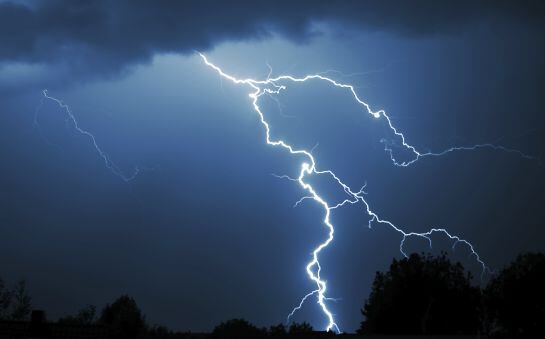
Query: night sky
{"type": "Point", "coordinates": [205, 233]}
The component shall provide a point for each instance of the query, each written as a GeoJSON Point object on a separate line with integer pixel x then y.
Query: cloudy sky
{"type": "Point", "coordinates": [204, 232]}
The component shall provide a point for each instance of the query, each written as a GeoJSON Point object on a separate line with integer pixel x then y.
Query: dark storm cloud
{"type": "Point", "coordinates": [101, 37]}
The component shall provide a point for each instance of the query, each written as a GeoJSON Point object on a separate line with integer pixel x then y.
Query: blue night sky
{"type": "Point", "coordinates": [205, 233]}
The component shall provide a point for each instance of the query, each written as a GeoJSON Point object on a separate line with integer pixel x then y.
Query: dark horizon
{"type": "Point", "coordinates": [422, 295]}
{"type": "Point", "coordinates": [158, 183]}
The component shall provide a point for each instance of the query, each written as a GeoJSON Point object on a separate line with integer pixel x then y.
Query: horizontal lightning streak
{"type": "Point", "coordinates": [270, 86]}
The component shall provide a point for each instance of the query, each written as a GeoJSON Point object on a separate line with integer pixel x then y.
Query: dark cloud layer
{"type": "Point", "coordinates": [102, 37]}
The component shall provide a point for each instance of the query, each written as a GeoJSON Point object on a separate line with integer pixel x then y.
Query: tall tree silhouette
{"type": "Point", "coordinates": [422, 294]}
{"type": "Point", "coordinates": [21, 302]}
{"type": "Point", "coordinates": [515, 298]}
{"type": "Point", "coordinates": [123, 318]}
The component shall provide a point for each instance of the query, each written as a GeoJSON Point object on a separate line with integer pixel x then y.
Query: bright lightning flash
{"type": "Point", "coordinates": [271, 87]}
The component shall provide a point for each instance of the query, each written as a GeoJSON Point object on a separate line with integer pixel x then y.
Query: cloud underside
{"type": "Point", "coordinates": [106, 36]}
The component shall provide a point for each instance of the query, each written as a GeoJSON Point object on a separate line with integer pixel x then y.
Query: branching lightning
{"type": "Point", "coordinates": [271, 86]}
{"type": "Point", "coordinates": [70, 118]}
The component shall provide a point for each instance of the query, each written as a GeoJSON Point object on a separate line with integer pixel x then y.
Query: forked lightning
{"type": "Point", "coordinates": [272, 86]}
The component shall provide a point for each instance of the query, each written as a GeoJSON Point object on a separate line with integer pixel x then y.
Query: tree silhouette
{"type": "Point", "coordinates": [422, 294]}
{"type": "Point", "coordinates": [123, 318]}
{"type": "Point", "coordinates": [300, 329]}
{"type": "Point", "coordinates": [85, 316]}
{"type": "Point", "coordinates": [237, 329]}
{"type": "Point", "coordinates": [278, 330]}
{"type": "Point", "coordinates": [159, 331]}
{"type": "Point", "coordinates": [515, 298]}
{"type": "Point", "coordinates": [5, 300]}
{"type": "Point", "coordinates": [21, 302]}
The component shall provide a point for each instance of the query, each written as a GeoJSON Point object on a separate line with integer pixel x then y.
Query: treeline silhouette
{"type": "Point", "coordinates": [424, 295]}
{"type": "Point", "coordinates": [418, 295]}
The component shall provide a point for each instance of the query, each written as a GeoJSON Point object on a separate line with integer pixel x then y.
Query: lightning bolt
{"type": "Point", "coordinates": [271, 86]}
{"type": "Point", "coordinates": [71, 118]}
